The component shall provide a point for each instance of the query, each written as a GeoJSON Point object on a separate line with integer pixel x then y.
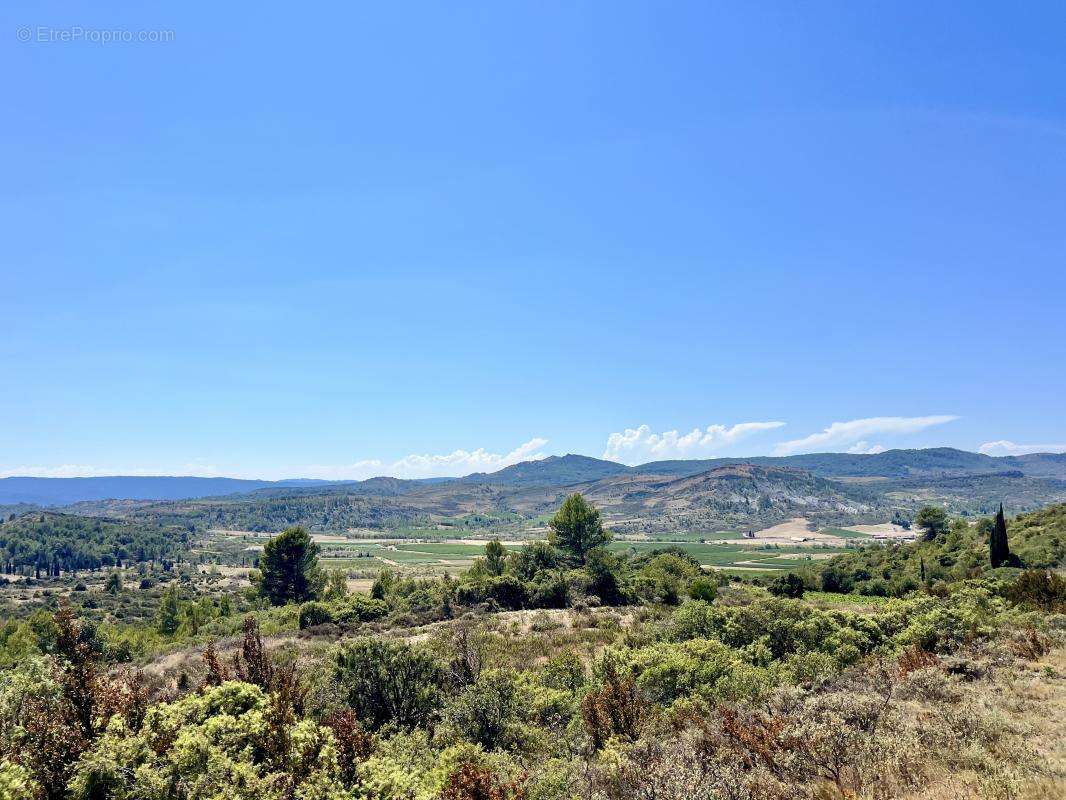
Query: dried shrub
{"type": "Point", "coordinates": [473, 782]}
{"type": "Point", "coordinates": [354, 744]}
{"type": "Point", "coordinates": [915, 658]}
{"type": "Point", "coordinates": [58, 729]}
{"type": "Point", "coordinates": [1030, 644]}
{"type": "Point", "coordinates": [616, 709]}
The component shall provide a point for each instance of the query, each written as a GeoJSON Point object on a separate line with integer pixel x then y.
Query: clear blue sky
{"type": "Point", "coordinates": [292, 240]}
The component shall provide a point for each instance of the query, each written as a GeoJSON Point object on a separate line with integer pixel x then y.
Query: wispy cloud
{"type": "Point", "coordinates": [845, 435]}
{"type": "Point", "coordinates": [639, 445]}
{"type": "Point", "coordinates": [416, 465]}
{"type": "Point", "coordinates": [1003, 447]}
{"type": "Point", "coordinates": [196, 468]}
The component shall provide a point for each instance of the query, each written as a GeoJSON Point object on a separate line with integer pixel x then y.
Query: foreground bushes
{"type": "Point", "coordinates": [749, 696]}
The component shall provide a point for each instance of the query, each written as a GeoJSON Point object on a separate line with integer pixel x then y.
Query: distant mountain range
{"type": "Point", "coordinates": [554, 470]}
{"type": "Point", "coordinates": [64, 491]}
{"type": "Point", "coordinates": [707, 494]}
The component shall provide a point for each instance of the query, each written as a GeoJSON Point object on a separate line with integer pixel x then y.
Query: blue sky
{"type": "Point", "coordinates": [316, 241]}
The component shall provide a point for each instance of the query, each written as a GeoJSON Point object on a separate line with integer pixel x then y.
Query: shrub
{"type": "Point", "coordinates": [487, 711]}
{"type": "Point", "coordinates": [1041, 589]}
{"type": "Point", "coordinates": [506, 591]}
{"type": "Point", "coordinates": [388, 682]}
{"type": "Point", "coordinates": [790, 585]}
{"type": "Point", "coordinates": [314, 613]}
{"type": "Point", "coordinates": [703, 589]}
{"type": "Point", "coordinates": [698, 667]}
{"type": "Point", "coordinates": [358, 607]}
{"type": "Point", "coordinates": [616, 709]}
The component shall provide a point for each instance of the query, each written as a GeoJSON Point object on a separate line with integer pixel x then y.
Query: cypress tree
{"type": "Point", "coordinates": [998, 548]}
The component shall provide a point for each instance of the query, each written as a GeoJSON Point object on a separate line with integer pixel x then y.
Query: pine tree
{"type": "Point", "coordinates": [576, 528]}
{"type": "Point", "coordinates": [169, 612]}
{"type": "Point", "coordinates": [998, 547]}
{"type": "Point", "coordinates": [495, 557]}
{"type": "Point", "coordinates": [289, 567]}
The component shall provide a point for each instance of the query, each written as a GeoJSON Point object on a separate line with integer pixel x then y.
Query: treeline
{"type": "Point", "coordinates": [49, 544]}
{"type": "Point", "coordinates": [947, 552]}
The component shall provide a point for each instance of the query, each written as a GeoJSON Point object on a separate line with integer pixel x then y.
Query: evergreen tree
{"type": "Point", "coordinates": [577, 528]}
{"type": "Point", "coordinates": [169, 615]}
{"type": "Point", "coordinates": [932, 521]}
{"type": "Point", "coordinates": [289, 567]}
{"type": "Point", "coordinates": [495, 557]}
{"type": "Point", "coordinates": [998, 547]}
{"type": "Point", "coordinates": [113, 585]}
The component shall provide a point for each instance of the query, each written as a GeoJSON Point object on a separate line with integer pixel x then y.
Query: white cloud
{"type": "Point", "coordinates": [454, 464]}
{"type": "Point", "coordinates": [196, 468]}
{"type": "Point", "coordinates": [848, 434]}
{"type": "Point", "coordinates": [640, 445]}
{"type": "Point", "coordinates": [1006, 448]}
{"type": "Point", "coordinates": [864, 448]}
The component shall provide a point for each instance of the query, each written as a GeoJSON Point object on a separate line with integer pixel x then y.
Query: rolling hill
{"type": "Point", "coordinates": [829, 488]}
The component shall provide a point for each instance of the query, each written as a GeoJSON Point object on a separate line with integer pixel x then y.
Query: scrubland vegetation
{"type": "Point", "coordinates": [561, 669]}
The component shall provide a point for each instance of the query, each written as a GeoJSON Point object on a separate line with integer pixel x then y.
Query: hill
{"type": "Point", "coordinates": [554, 470]}
{"type": "Point", "coordinates": [49, 542]}
{"type": "Point", "coordinates": [825, 488]}
{"type": "Point", "coordinates": [732, 494]}
{"type": "Point", "coordinates": [934, 461]}
{"type": "Point", "coordinates": [64, 491]}
{"type": "Point", "coordinates": [1037, 538]}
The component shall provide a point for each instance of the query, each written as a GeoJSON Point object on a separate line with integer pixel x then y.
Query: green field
{"type": "Point", "coordinates": [741, 557]}
{"type": "Point", "coordinates": [845, 534]}
{"type": "Point", "coordinates": [766, 557]}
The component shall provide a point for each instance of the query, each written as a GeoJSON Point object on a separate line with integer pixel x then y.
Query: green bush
{"type": "Point", "coordinates": [789, 585]}
{"type": "Point", "coordinates": [387, 682]}
{"type": "Point", "coordinates": [314, 613]}
{"type": "Point", "coordinates": [359, 607]}
{"type": "Point", "coordinates": [703, 589]}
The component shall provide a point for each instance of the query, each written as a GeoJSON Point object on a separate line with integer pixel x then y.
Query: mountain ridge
{"type": "Point", "coordinates": [566, 470]}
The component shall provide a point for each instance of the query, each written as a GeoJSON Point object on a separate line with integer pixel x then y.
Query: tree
{"type": "Point", "coordinates": [113, 585]}
{"type": "Point", "coordinates": [998, 547]}
{"type": "Point", "coordinates": [932, 521]}
{"type": "Point", "coordinates": [337, 584]}
{"type": "Point", "coordinates": [289, 567]}
{"type": "Point", "coordinates": [169, 615]}
{"type": "Point", "coordinates": [495, 557]}
{"type": "Point", "coordinates": [577, 528]}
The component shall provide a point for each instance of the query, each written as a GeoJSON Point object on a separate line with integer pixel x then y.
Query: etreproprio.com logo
{"type": "Point", "coordinates": [77, 33]}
